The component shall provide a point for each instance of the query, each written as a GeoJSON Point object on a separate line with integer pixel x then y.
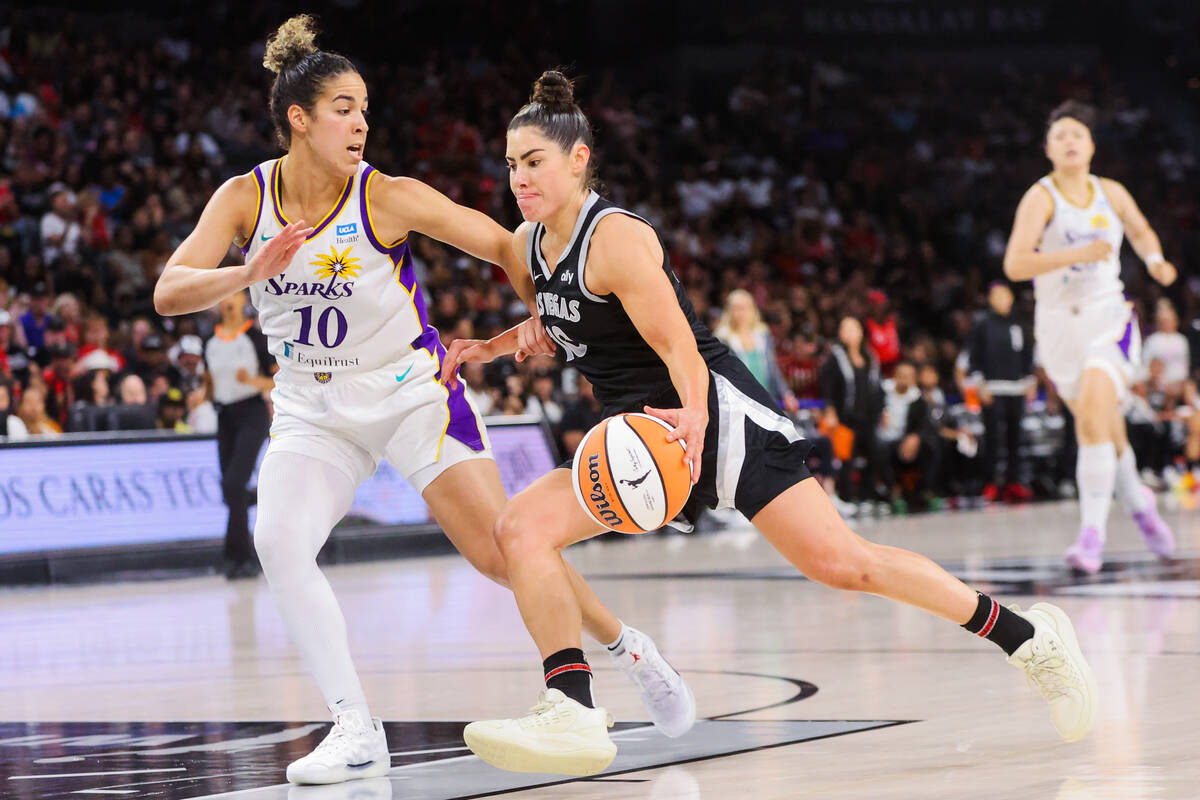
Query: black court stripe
{"type": "Point", "coordinates": [657, 473]}
{"type": "Point", "coordinates": [608, 458]}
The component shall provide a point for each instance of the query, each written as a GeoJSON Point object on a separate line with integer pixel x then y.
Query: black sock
{"type": "Point", "coordinates": [996, 623]}
{"type": "Point", "coordinates": [568, 671]}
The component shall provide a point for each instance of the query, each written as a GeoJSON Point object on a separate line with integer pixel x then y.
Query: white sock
{"type": "Point", "coordinates": [1096, 473]}
{"type": "Point", "coordinates": [1129, 485]}
{"type": "Point", "coordinates": [617, 646]}
{"type": "Point", "coordinates": [290, 530]}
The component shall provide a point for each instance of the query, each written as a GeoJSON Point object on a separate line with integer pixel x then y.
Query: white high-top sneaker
{"type": "Point", "coordinates": [353, 749]}
{"type": "Point", "coordinates": [1055, 666]}
{"type": "Point", "coordinates": [665, 694]}
{"type": "Point", "coordinates": [558, 736]}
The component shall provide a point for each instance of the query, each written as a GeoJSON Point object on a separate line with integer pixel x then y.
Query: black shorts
{"type": "Point", "coordinates": [752, 452]}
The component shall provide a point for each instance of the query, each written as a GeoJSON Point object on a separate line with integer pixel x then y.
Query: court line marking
{"type": "Point", "coordinates": [94, 774]}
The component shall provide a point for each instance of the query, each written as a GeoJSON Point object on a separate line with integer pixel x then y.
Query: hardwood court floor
{"type": "Point", "coordinates": [189, 688]}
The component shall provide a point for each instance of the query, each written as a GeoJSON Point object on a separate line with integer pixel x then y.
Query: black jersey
{"type": "Point", "coordinates": [593, 332]}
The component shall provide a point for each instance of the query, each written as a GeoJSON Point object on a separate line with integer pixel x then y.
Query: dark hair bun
{"type": "Point", "coordinates": [554, 91]}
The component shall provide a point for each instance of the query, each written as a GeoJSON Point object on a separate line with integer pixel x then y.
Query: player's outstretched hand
{"type": "Point", "coordinates": [460, 352]}
{"type": "Point", "coordinates": [278, 252]}
{"type": "Point", "coordinates": [688, 425]}
{"type": "Point", "coordinates": [1163, 271]}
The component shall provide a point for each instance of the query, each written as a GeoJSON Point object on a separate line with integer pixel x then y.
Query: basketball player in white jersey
{"type": "Point", "coordinates": [345, 320]}
{"type": "Point", "coordinates": [610, 299]}
{"type": "Point", "coordinates": [1067, 239]}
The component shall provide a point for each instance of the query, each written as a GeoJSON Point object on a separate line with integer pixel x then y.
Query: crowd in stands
{"type": "Point", "coordinates": [837, 222]}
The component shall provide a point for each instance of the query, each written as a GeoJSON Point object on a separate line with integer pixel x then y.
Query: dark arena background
{"type": "Point", "coordinates": [808, 166]}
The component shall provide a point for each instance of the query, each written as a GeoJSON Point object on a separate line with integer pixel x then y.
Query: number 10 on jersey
{"type": "Point", "coordinates": [331, 317]}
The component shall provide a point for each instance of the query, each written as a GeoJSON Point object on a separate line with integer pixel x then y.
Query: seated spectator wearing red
{"type": "Point", "coordinates": [95, 337]}
{"type": "Point", "coordinates": [882, 331]}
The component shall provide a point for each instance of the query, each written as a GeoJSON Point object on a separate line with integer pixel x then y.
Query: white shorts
{"type": "Point", "coordinates": [1103, 335]}
{"type": "Point", "coordinates": [401, 414]}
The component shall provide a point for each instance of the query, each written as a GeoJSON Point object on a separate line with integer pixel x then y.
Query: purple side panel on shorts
{"type": "Point", "coordinates": [1127, 337]}
{"type": "Point", "coordinates": [463, 425]}
{"type": "Point", "coordinates": [429, 340]}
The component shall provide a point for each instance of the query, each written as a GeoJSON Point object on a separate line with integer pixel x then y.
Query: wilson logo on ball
{"type": "Point", "coordinates": [628, 477]}
{"type": "Point", "coordinates": [598, 496]}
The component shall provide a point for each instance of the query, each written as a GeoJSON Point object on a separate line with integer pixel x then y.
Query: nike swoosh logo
{"type": "Point", "coordinates": [400, 378]}
{"type": "Point", "coordinates": [265, 237]}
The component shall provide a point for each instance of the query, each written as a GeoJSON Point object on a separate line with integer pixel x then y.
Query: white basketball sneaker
{"type": "Point", "coordinates": [1055, 666]}
{"type": "Point", "coordinates": [665, 694]}
{"type": "Point", "coordinates": [353, 749]}
{"type": "Point", "coordinates": [558, 736]}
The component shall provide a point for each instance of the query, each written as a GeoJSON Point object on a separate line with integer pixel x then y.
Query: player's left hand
{"type": "Point", "coordinates": [1164, 272]}
{"type": "Point", "coordinates": [532, 339]}
{"type": "Point", "coordinates": [688, 424]}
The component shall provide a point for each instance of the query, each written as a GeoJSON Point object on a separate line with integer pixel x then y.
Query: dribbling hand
{"type": "Point", "coordinates": [689, 425]}
{"type": "Point", "coordinates": [274, 256]}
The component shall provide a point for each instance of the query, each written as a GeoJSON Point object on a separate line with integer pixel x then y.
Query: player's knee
{"type": "Point", "coordinates": [520, 533]}
{"type": "Point", "coordinates": [853, 570]}
{"type": "Point", "coordinates": [1092, 428]}
{"type": "Point", "coordinates": [276, 547]}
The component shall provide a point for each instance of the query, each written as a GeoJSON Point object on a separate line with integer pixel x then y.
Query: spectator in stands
{"type": "Point", "coordinates": [1168, 345]}
{"type": "Point", "coordinates": [32, 411]}
{"type": "Point", "coordinates": [882, 331]}
{"type": "Point", "coordinates": [851, 389]}
{"type": "Point", "coordinates": [172, 411]}
{"type": "Point", "coordinates": [544, 400]}
{"type": "Point", "coordinates": [134, 412]}
{"type": "Point", "coordinates": [742, 328]}
{"type": "Point", "coordinates": [35, 320]}
{"type": "Point", "coordinates": [190, 363]}
{"type": "Point", "coordinates": [581, 414]}
{"type": "Point", "coordinates": [93, 400]}
{"type": "Point", "coordinates": [12, 428]}
{"type": "Point", "coordinates": [999, 355]}
{"type": "Point", "coordinates": [60, 232]}
{"type": "Point", "coordinates": [95, 337]}
{"type": "Point", "coordinates": [57, 381]}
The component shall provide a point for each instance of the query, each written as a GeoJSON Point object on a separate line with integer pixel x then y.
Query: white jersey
{"type": "Point", "coordinates": [348, 303]}
{"type": "Point", "coordinates": [1074, 286]}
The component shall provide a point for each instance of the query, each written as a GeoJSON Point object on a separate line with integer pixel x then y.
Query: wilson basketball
{"type": "Point", "coordinates": [628, 477]}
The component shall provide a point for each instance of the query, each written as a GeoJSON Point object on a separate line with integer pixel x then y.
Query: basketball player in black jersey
{"type": "Point", "coordinates": [607, 296]}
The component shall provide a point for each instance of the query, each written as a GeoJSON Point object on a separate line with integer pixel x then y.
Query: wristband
{"type": "Point", "coordinates": [1154, 259]}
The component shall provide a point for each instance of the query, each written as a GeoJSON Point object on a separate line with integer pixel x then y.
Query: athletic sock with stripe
{"type": "Point", "coordinates": [998, 624]}
{"type": "Point", "coordinates": [568, 671]}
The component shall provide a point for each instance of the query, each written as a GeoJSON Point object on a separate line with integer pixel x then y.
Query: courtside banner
{"type": "Point", "coordinates": [105, 492]}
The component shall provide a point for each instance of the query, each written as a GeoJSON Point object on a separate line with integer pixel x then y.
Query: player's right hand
{"type": "Point", "coordinates": [458, 353]}
{"type": "Point", "coordinates": [274, 256]}
{"type": "Point", "coordinates": [1096, 250]}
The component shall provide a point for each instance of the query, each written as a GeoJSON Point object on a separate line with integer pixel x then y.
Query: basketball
{"type": "Point", "coordinates": [628, 477]}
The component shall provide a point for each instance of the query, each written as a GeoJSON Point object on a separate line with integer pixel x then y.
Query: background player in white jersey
{"type": "Point", "coordinates": [358, 359]}
{"type": "Point", "coordinates": [1067, 239]}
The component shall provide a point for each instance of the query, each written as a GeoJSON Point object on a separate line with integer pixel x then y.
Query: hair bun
{"type": "Point", "coordinates": [294, 40]}
{"type": "Point", "coordinates": [554, 91]}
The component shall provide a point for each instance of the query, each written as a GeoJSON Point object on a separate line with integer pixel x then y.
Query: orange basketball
{"type": "Point", "coordinates": [628, 477]}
